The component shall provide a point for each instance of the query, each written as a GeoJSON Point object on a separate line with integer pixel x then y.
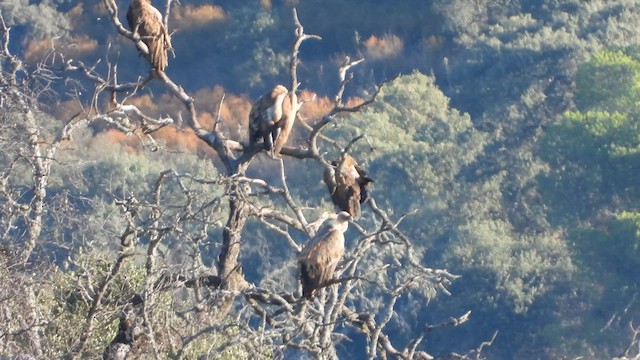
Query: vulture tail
{"type": "Point", "coordinates": [158, 54]}
{"type": "Point", "coordinates": [308, 290]}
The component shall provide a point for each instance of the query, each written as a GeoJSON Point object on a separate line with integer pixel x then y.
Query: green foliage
{"type": "Point", "coordinates": [521, 268]}
{"type": "Point", "coordinates": [612, 249]}
{"type": "Point", "coordinates": [607, 254]}
{"type": "Point", "coordinates": [85, 234]}
{"type": "Point", "coordinates": [609, 81]}
{"type": "Point", "coordinates": [593, 157]}
{"type": "Point", "coordinates": [423, 147]}
{"type": "Point", "coordinates": [43, 18]}
{"type": "Point", "coordinates": [69, 297]}
{"type": "Point", "coordinates": [210, 345]}
{"type": "Point", "coordinates": [99, 171]}
{"type": "Point", "coordinates": [421, 144]}
{"type": "Point", "coordinates": [265, 63]}
{"type": "Point", "coordinates": [511, 64]}
{"type": "Point", "coordinates": [14, 139]}
{"type": "Point", "coordinates": [629, 222]}
{"type": "Point", "coordinates": [591, 189]}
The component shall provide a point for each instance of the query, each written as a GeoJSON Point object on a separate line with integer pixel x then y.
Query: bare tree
{"type": "Point", "coordinates": [23, 150]}
{"type": "Point", "coordinates": [632, 352]}
{"type": "Point", "coordinates": [181, 307]}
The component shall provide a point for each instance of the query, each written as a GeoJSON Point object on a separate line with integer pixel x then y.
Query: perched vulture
{"type": "Point", "coordinates": [347, 184]}
{"type": "Point", "coordinates": [271, 119]}
{"type": "Point", "coordinates": [320, 256]}
{"type": "Point", "coordinates": [146, 21]}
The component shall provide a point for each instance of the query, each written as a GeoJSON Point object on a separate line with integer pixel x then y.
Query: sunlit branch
{"type": "Point", "coordinates": [287, 196]}
{"type": "Point", "coordinates": [300, 37]}
{"type": "Point", "coordinates": [105, 85]}
{"type": "Point", "coordinates": [282, 232]}
{"type": "Point", "coordinates": [634, 343]}
{"type": "Point", "coordinates": [337, 109]}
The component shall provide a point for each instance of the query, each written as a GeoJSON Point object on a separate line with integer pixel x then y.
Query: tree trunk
{"type": "Point", "coordinates": [229, 268]}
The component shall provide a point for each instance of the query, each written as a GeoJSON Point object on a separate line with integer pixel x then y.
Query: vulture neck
{"type": "Point", "coordinates": [342, 225]}
{"type": "Point", "coordinates": [277, 106]}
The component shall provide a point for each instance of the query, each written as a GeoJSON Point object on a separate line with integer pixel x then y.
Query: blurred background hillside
{"type": "Point", "coordinates": [513, 131]}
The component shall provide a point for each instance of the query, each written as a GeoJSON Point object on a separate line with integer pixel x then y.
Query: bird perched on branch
{"type": "Point", "coordinates": [320, 256]}
{"type": "Point", "coordinates": [146, 21]}
{"type": "Point", "coordinates": [347, 183]}
{"type": "Point", "coordinates": [271, 119]}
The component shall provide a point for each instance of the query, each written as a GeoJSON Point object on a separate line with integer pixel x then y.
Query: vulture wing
{"type": "Point", "coordinates": [146, 20]}
{"type": "Point", "coordinates": [347, 185]}
{"type": "Point", "coordinates": [363, 180]}
{"type": "Point", "coordinates": [319, 259]}
{"type": "Point", "coordinates": [265, 116]}
{"type": "Point", "coordinates": [260, 121]}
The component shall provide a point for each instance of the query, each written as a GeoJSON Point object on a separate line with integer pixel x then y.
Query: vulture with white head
{"type": "Point", "coordinates": [347, 183]}
{"type": "Point", "coordinates": [146, 21]}
{"type": "Point", "coordinates": [271, 119]}
{"type": "Point", "coordinates": [321, 255]}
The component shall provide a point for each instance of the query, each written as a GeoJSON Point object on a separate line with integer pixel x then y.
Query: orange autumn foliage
{"type": "Point", "coordinates": [266, 4]}
{"type": "Point", "coordinates": [316, 108]}
{"type": "Point", "coordinates": [44, 49]}
{"type": "Point", "coordinates": [191, 17]}
{"type": "Point", "coordinates": [386, 47]}
{"type": "Point", "coordinates": [320, 106]}
{"type": "Point", "coordinates": [183, 139]}
{"type": "Point", "coordinates": [145, 103]}
{"type": "Point", "coordinates": [75, 15]}
{"type": "Point", "coordinates": [234, 112]}
{"type": "Point", "coordinates": [130, 143]}
{"type": "Point", "coordinates": [233, 117]}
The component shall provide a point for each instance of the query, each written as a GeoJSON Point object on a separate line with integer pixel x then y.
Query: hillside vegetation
{"type": "Point", "coordinates": [503, 138]}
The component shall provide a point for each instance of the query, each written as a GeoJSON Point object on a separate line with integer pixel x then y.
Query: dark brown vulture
{"type": "Point", "coordinates": [271, 119]}
{"type": "Point", "coordinates": [146, 21]}
{"type": "Point", "coordinates": [321, 255]}
{"type": "Point", "coordinates": [347, 184]}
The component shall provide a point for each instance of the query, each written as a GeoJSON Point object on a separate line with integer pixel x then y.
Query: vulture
{"type": "Point", "coordinates": [146, 21]}
{"type": "Point", "coordinates": [320, 256]}
{"type": "Point", "coordinates": [347, 184]}
{"type": "Point", "coordinates": [271, 119]}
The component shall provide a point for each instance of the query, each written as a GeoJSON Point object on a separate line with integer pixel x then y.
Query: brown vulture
{"type": "Point", "coordinates": [320, 256]}
{"type": "Point", "coordinates": [347, 184]}
{"type": "Point", "coordinates": [146, 21]}
{"type": "Point", "coordinates": [271, 119]}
